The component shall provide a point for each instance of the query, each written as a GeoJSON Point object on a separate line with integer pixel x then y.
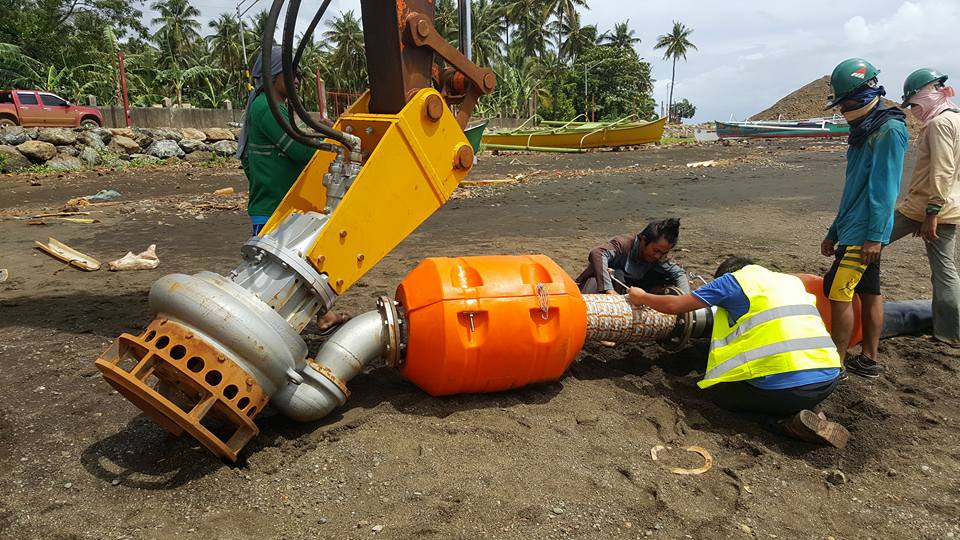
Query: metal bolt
{"type": "Point", "coordinates": [249, 382]}
{"type": "Point", "coordinates": [343, 233]}
{"type": "Point", "coordinates": [221, 358]}
{"type": "Point", "coordinates": [321, 258]}
{"type": "Point", "coordinates": [489, 81]}
{"type": "Point", "coordinates": [349, 129]}
{"type": "Point", "coordinates": [423, 28]}
{"type": "Point", "coordinates": [339, 283]}
{"type": "Point", "coordinates": [464, 157]}
{"type": "Point", "coordinates": [434, 107]}
{"type": "Point", "coordinates": [360, 257]}
{"type": "Point", "coordinates": [368, 131]}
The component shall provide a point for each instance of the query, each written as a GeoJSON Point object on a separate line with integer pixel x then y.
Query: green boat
{"type": "Point", "coordinates": [762, 129]}
{"type": "Point", "coordinates": [474, 134]}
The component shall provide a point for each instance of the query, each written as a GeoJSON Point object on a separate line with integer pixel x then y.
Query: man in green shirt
{"type": "Point", "coordinates": [271, 160]}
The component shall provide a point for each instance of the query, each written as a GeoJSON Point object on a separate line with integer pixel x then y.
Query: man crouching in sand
{"type": "Point", "coordinates": [770, 353]}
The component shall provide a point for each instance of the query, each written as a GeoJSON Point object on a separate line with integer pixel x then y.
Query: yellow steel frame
{"type": "Point", "coordinates": [410, 172]}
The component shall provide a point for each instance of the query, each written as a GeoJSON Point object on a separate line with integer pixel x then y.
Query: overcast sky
{"type": "Point", "coordinates": [752, 52]}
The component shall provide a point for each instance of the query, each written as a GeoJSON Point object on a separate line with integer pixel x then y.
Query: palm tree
{"type": "Point", "coordinates": [530, 19]}
{"type": "Point", "coordinates": [447, 21]}
{"type": "Point", "coordinates": [180, 77]}
{"type": "Point", "coordinates": [347, 58]}
{"type": "Point", "coordinates": [621, 36]}
{"type": "Point", "coordinates": [578, 39]}
{"type": "Point", "coordinates": [565, 9]}
{"type": "Point", "coordinates": [489, 26]}
{"type": "Point", "coordinates": [178, 28]}
{"type": "Point", "coordinates": [676, 45]}
{"type": "Point", "coordinates": [224, 42]}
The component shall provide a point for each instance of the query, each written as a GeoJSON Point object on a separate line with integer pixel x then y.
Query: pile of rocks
{"type": "Point", "coordinates": [69, 149]}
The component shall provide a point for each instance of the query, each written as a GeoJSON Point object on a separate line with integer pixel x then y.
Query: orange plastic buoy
{"type": "Point", "coordinates": [486, 324]}
{"type": "Point", "coordinates": [814, 286]}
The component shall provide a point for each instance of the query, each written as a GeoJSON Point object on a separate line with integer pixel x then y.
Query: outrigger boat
{"type": "Point", "coordinates": [576, 136]}
{"type": "Point", "coordinates": [815, 127]}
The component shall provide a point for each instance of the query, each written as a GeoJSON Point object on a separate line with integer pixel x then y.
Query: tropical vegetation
{"type": "Point", "coordinates": [546, 61]}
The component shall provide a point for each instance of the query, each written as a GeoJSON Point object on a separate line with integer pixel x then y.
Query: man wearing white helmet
{"type": "Point", "coordinates": [931, 208]}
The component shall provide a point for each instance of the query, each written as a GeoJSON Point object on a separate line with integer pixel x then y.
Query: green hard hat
{"type": "Point", "coordinates": [849, 75]}
{"type": "Point", "coordinates": [918, 79]}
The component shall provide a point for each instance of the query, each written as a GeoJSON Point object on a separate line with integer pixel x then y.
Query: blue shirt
{"type": "Point", "coordinates": [871, 187]}
{"type": "Point", "coordinates": [725, 293]}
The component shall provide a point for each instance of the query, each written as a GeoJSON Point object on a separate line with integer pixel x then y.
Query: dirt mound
{"type": "Point", "coordinates": [808, 102]}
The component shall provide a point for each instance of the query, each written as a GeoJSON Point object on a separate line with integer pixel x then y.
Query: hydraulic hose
{"type": "Point", "coordinates": [289, 28]}
{"type": "Point", "coordinates": [273, 98]}
{"type": "Point", "coordinates": [308, 35]}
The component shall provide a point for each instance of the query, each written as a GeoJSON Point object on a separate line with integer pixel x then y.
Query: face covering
{"type": "Point", "coordinates": [276, 68]}
{"type": "Point", "coordinates": [930, 101]}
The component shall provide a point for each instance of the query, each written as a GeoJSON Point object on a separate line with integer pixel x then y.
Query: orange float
{"type": "Point", "coordinates": [814, 286]}
{"type": "Point", "coordinates": [485, 324]}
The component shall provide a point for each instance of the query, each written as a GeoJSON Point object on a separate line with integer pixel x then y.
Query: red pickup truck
{"type": "Point", "coordinates": [29, 108]}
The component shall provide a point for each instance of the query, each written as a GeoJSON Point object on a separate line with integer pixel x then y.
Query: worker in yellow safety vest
{"type": "Point", "coordinates": [770, 354]}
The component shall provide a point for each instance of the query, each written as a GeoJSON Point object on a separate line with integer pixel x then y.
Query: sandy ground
{"type": "Point", "coordinates": [563, 460]}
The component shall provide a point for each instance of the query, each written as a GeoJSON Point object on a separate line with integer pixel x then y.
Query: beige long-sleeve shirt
{"type": "Point", "coordinates": [936, 177]}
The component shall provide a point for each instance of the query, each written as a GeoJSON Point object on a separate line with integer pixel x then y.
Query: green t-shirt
{"type": "Point", "coordinates": [274, 160]}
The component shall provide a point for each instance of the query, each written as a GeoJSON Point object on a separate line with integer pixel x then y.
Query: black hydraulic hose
{"type": "Point", "coordinates": [289, 27]}
{"type": "Point", "coordinates": [308, 35]}
{"type": "Point", "coordinates": [273, 98]}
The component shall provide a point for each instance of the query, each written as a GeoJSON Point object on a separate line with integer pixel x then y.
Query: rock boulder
{"type": "Point", "coordinates": [37, 151]}
{"type": "Point", "coordinates": [218, 134]}
{"type": "Point", "coordinates": [11, 160]}
{"type": "Point", "coordinates": [13, 135]}
{"type": "Point", "coordinates": [123, 145]}
{"type": "Point", "coordinates": [125, 132]}
{"type": "Point", "coordinates": [89, 156]}
{"type": "Point", "coordinates": [91, 139]}
{"type": "Point", "coordinates": [192, 145]}
{"type": "Point", "coordinates": [164, 149]}
{"type": "Point", "coordinates": [68, 150]}
{"type": "Point", "coordinates": [224, 148]}
{"type": "Point", "coordinates": [63, 162]}
{"type": "Point", "coordinates": [195, 134]}
{"type": "Point", "coordinates": [199, 156]}
{"type": "Point", "coordinates": [57, 136]}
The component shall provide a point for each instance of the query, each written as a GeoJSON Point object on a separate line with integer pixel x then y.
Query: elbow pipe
{"type": "Point", "coordinates": [323, 386]}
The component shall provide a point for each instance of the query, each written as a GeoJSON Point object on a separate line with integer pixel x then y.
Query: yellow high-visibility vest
{"type": "Point", "coordinates": [781, 333]}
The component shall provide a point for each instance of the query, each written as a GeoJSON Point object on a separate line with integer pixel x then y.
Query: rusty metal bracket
{"type": "Point", "coordinates": [468, 83]}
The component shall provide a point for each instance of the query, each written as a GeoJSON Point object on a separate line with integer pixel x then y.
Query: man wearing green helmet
{"type": "Point", "coordinates": [931, 208]}
{"type": "Point", "coordinates": [864, 222]}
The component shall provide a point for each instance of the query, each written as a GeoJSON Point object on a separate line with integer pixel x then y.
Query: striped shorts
{"type": "Point", "coordinates": [849, 275]}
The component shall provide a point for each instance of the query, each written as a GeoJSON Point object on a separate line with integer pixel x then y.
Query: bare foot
{"type": "Point", "coordinates": [331, 319]}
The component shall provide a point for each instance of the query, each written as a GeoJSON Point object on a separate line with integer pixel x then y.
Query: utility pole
{"type": "Point", "coordinates": [123, 88]}
{"type": "Point", "coordinates": [466, 28]}
{"type": "Point", "coordinates": [243, 43]}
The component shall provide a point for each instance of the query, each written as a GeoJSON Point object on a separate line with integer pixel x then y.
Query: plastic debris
{"type": "Point", "coordinates": [146, 260]}
{"type": "Point", "coordinates": [60, 214]}
{"type": "Point", "coordinates": [4, 274]}
{"type": "Point", "coordinates": [80, 220]}
{"type": "Point", "coordinates": [697, 164]}
{"type": "Point", "coordinates": [103, 195]}
{"type": "Point", "coordinates": [707, 459]}
{"type": "Point", "coordinates": [225, 191]}
{"type": "Point", "coordinates": [67, 254]}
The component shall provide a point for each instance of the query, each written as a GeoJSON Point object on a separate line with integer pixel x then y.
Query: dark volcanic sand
{"type": "Point", "coordinates": [568, 459]}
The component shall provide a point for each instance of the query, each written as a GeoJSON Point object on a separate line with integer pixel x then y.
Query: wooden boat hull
{"type": "Point", "coordinates": [581, 137]}
{"type": "Point", "coordinates": [775, 131]}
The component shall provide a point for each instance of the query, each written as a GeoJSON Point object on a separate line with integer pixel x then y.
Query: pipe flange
{"type": "Point", "coordinates": [681, 338]}
{"type": "Point", "coordinates": [317, 282]}
{"type": "Point", "coordinates": [323, 370]}
{"type": "Point", "coordinates": [391, 320]}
